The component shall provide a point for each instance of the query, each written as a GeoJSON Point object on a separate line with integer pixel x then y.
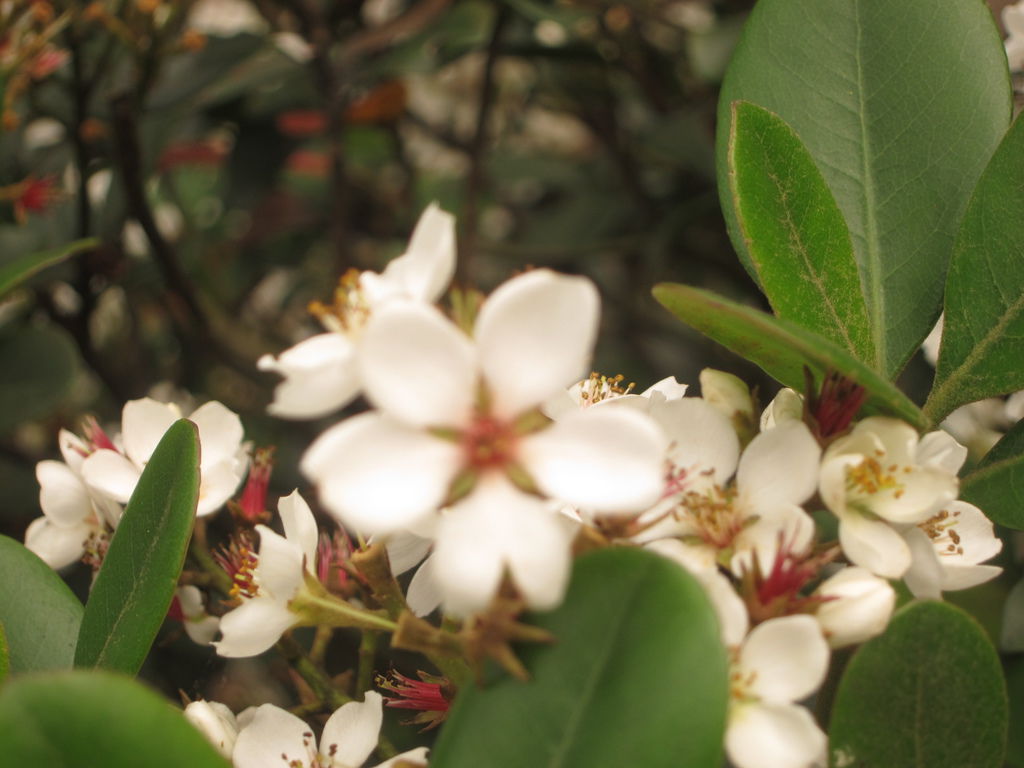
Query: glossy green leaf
{"type": "Point", "coordinates": [40, 614]}
{"type": "Point", "coordinates": [996, 486]}
{"type": "Point", "coordinates": [135, 585]}
{"type": "Point", "coordinates": [928, 692]}
{"type": "Point", "coordinates": [983, 331]}
{"type": "Point", "coordinates": [901, 105]}
{"type": "Point", "coordinates": [1015, 689]}
{"type": "Point", "coordinates": [781, 348]}
{"type": "Point", "coordinates": [38, 367]}
{"type": "Point", "coordinates": [85, 719]}
{"type": "Point", "coordinates": [636, 677]}
{"type": "Point", "coordinates": [794, 233]}
{"type": "Point", "coordinates": [15, 271]}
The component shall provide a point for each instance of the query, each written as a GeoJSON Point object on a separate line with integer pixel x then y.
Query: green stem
{"type": "Point", "coordinates": [325, 610]}
{"type": "Point", "coordinates": [317, 679]}
{"type": "Point", "coordinates": [321, 640]}
{"type": "Point", "coordinates": [367, 656]}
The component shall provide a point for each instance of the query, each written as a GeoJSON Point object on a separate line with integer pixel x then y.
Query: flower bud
{"type": "Point", "coordinates": [216, 722]}
{"type": "Point", "coordinates": [731, 396]}
{"type": "Point", "coordinates": [856, 606]}
{"type": "Point", "coordinates": [787, 406]}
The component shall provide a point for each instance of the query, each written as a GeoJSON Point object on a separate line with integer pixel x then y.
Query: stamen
{"type": "Point", "coordinates": [349, 311]}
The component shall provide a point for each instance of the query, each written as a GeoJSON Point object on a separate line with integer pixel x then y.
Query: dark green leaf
{"type": "Point", "coordinates": [983, 332]}
{"type": "Point", "coordinates": [5, 656]}
{"type": "Point", "coordinates": [38, 367]}
{"type": "Point", "coordinates": [134, 587]}
{"type": "Point", "coordinates": [781, 348]}
{"type": "Point", "coordinates": [17, 270]}
{"type": "Point", "coordinates": [928, 692]}
{"type": "Point", "coordinates": [40, 615]}
{"type": "Point", "coordinates": [88, 719]}
{"type": "Point", "coordinates": [794, 233]}
{"type": "Point", "coordinates": [996, 486]}
{"type": "Point", "coordinates": [1015, 689]}
{"type": "Point", "coordinates": [636, 677]}
{"type": "Point", "coordinates": [901, 105]}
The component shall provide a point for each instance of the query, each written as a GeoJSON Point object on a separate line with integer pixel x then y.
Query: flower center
{"type": "Point", "coordinates": [714, 516]}
{"type": "Point", "coordinates": [942, 531]}
{"type": "Point", "coordinates": [598, 387]}
{"type": "Point", "coordinates": [349, 311]}
{"type": "Point", "coordinates": [488, 443]}
{"type": "Point", "coordinates": [871, 477]}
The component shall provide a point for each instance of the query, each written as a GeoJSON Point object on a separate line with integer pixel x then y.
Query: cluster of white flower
{"type": "Point", "coordinates": [486, 454]}
{"type": "Point", "coordinates": [270, 736]}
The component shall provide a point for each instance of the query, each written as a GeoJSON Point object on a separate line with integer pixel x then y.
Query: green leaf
{"type": "Point", "coordinates": [983, 330]}
{"type": "Point", "coordinates": [40, 614]}
{"type": "Point", "coordinates": [1015, 689]}
{"type": "Point", "coordinates": [781, 348]}
{"type": "Point", "coordinates": [928, 692]}
{"type": "Point", "coordinates": [15, 271]}
{"type": "Point", "coordinates": [996, 486]}
{"type": "Point", "coordinates": [794, 233]}
{"type": "Point", "coordinates": [5, 656]}
{"type": "Point", "coordinates": [637, 676]}
{"type": "Point", "coordinates": [85, 719]}
{"type": "Point", "coordinates": [39, 366]}
{"type": "Point", "coordinates": [135, 585]}
{"type": "Point", "coordinates": [901, 107]}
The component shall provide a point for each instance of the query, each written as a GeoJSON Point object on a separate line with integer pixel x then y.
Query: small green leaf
{"type": "Point", "coordinates": [781, 348]}
{"type": "Point", "coordinates": [996, 486]}
{"type": "Point", "coordinates": [928, 692]}
{"type": "Point", "coordinates": [38, 367]}
{"type": "Point", "coordinates": [637, 676]}
{"type": "Point", "coordinates": [135, 585]}
{"type": "Point", "coordinates": [983, 331]}
{"type": "Point", "coordinates": [85, 719]}
{"type": "Point", "coordinates": [901, 107]}
{"type": "Point", "coordinates": [39, 613]}
{"type": "Point", "coordinates": [794, 233]}
{"type": "Point", "coordinates": [19, 269]}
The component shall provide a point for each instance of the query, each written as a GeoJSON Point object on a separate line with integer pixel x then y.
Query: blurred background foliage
{"type": "Point", "coordinates": [234, 158]}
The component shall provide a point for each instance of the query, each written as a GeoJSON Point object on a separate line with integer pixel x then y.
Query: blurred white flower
{"type": "Point", "coordinates": [216, 722]}
{"type": "Point", "coordinates": [1013, 21]}
{"type": "Point", "coordinates": [856, 606]}
{"type": "Point", "coordinates": [320, 373]}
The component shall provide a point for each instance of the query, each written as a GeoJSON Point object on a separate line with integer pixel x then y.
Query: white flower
{"type": "Point", "coordinates": [729, 524]}
{"type": "Point", "coordinates": [782, 661]}
{"type": "Point", "coordinates": [857, 606]}
{"type": "Point", "coordinates": [320, 373]}
{"type": "Point", "coordinates": [72, 511]}
{"type": "Point", "coordinates": [455, 410]}
{"type": "Point", "coordinates": [216, 722]}
{"type": "Point", "coordinates": [730, 395]}
{"type": "Point", "coordinates": [269, 580]}
{"type": "Point", "coordinates": [223, 456]}
{"type": "Point", "coordinates": [603, 390]}
{"type": "Point", "coordinates": [947, 549]}
{"type": "Point", "coordinates": [274, 738]}
{"type": "Point", "coordinates": [882, 474]}
{"type": "Point", "coordinates": [200, 626]}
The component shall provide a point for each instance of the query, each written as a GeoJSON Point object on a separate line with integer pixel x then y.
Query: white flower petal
{"type": "Point", "coordinates": [418, 755]}
{"type": "Point", "coordinates": [939, 450]}
{"type": "Point", "coordinates": [424, 594]}
{"type": "Point", "coordinates": [976, 534]}
{"type": "Point", "coordinates": [299, 525]}
{"type": "Point", "coordinates": [350, 734]}
{"type": "Point", "coordinates": [959, 576]}
{"type": "Point", "coordinates": [495, 528]}
{"type": "Point", "coordinates": [427, 267]}
{"type": "Point", "coordinates": [111, 474]}
{"type": "Point", "coordinates": [788, 656]}
{"type": "Point", "coordinates": [216, 722]}
{"type": "Point", "coordinates": [143, 423]}
{"type": "Point", "coordinates": [924, 576]}
{"type": "Point", "coordinates": [780, 466]}
{"type": "Point", "coordinates": [858, 606]}
{"type": "Point", "coordinates": [406, 551]}
{"type": "Point", "coordinates": [787, 524]}
{"type": "Point", "coordinates": [535, 335]}
{"type": "Point", "coordinates": [272, 739]}
{"type": "Point", "coordinates": [378, 476]}
{"type": "Point", "coordinates": [787, 405]}
{"type": "Point", "coordinates": [604, 460]}
{"type": "Point", "coordinates": [62, 494]}
{"type": "Point", "coordinates": [217, 484]}
{"type": "Point", "coordinates": [773, 736]}
{"type": "Point", "coordinates": [874, 545]}
{"type": "Point", "coordinates": [220, 433]}
{"type": "Point", "coordinates": [417, 366]}
{"type": "Point", "coordinates": [73, 449]}
{"type": "Point", "coordinates": [278, 572]}
{"type": "Point", "coordinates": [666, 389]}
{"type": "Point", "coordinates": [702, 440]}
{"type": "Point", "coordinates": [57, 546]}
{"type": "Point", "coordinates": [320, 377]}
{"type": "Point", "coordinates": [253, 627]}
